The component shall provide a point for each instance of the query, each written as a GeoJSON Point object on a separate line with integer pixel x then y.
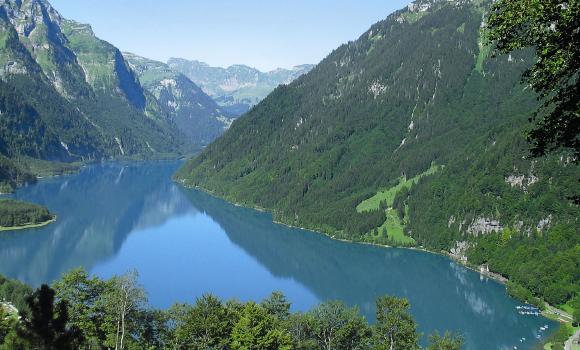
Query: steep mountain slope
{"type": "Point", "coordinates": [195, 113]}
{"type": "Point", "coordinates": [238, 87]}
{"type": "Point", "coordinates": [82, 100]}
{"type": "Point", "coordinates": [417, 96]}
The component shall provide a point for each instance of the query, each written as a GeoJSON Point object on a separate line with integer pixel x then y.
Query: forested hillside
{"type": "Point", "coordinates": [418, 91]}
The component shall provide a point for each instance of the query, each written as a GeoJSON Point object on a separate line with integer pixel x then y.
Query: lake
{"type": "Point", "coordinates": [114, 217]}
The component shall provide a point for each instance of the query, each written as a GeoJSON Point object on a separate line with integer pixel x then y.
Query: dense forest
{"type": "Point", "coordinates": [82, 312]}
{"type": "Point", "coordinates": [16, 213]}
{"type": "Point", "coordinates": [11, 175]}
{"type": "Point", "coordinates": [417, 90]}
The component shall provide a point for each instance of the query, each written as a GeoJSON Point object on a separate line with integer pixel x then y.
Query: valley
{"type": "Point", "coordinates": [119, 215]}
{"type": "Point", "coordinates": [418, 188]}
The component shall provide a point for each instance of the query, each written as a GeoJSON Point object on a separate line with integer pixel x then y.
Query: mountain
{"type": "Point", "coordinates": [67, 95]}
{"type": "Point", "coordinates": [196, 114]}
{"type": "Point", "coordinates": [236, 88]}
{"type": "Point", "coordinates": [413, 134]}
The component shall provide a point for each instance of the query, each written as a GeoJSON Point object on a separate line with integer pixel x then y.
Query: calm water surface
{"type": "Point", "coordinates": [117, 217]}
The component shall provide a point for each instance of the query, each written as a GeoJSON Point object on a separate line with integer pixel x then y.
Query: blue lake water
{"type": "Point", "coordinates": [116, 217]}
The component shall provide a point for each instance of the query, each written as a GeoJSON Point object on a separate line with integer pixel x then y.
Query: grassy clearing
{"type": "Point", "coordinates": [388, 195]}
{"type": "Point", "coordinates": [567, 307]}
{"type": "Point", "coordinates": [394, 226]}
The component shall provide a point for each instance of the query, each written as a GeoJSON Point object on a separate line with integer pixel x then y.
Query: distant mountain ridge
{"type": "Point", "coordinates": [195, 113]}
{"type": "Point", "coordinates": [238, 87]}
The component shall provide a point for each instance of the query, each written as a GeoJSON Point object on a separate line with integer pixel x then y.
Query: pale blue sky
{"type": "Point", "coordinates": [262, 33]}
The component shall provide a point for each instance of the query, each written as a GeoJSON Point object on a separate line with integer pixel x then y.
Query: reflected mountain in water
{"type": "Point", "coordinates": [184, 243]}
{"type": "Point", "coordinates": [443, 295]}
{"type": "Point", "coordinates": [97, 209]}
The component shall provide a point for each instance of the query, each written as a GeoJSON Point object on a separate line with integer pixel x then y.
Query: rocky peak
{"type": "Point", "coordinates": [25, 15]}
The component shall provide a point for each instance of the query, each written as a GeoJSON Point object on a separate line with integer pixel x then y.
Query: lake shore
{"type": "Point", "coordinates": [550, 311]}
{"type": "Point", "coordinates": [28, 226]}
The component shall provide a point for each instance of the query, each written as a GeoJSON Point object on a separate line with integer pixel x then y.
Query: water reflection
{"type": "Point", "coordinates": [115, 217]}
{"type": "Point", "coordinates": [443, 295]}
{"type": "Point", "coordinates": [97, 209]}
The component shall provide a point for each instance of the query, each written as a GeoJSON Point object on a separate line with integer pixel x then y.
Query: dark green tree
{"type": "Point", "coordinates": [256, 329]}
{"type": "Point", "coordinates": [277, 305]}
{"type": "Point", "coordinates": [47, 328]}
{"type": "Point", "coordinates": [205, 325]}
{"type": "Point", "coordinates": [552, 28]}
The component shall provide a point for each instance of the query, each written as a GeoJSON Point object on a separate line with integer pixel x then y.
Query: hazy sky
{"type": "Point", "coordinates": [262, 33]}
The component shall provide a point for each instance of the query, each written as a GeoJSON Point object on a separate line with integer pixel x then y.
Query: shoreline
{"type": "Point", "coordinates": [28, 226]}
{"type": "Point", "coordinates": [550, 312]}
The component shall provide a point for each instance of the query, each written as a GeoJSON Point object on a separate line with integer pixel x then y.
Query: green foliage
{"type": "Point", "coordinates": [43, 168]}
{"type": "Point", "coordinates": [313, 150]}
{"type": "Point", "coordinates": [256, 329]}
{"type": "Point", "coordinates": [313, 175]}
{"type": "Point", "coordinates": [558, 338]}
{"type": "Point", "coordinates": [388, 196]}
{"type": "Point", "coordinates": [393, 202]}
{"type": "Point", "coordinates": [521, 293]}
{"type": "Point", "coordinates": [277, 304]}
{"type": "Point", "coordinates": [447, 342]}
{"type": "Point", "coordinates": [16, 213]}
{"type": "Point", "coordinates": [14, 292]}
{"type": "Point", "coordinates": [12, 175]}
{"type": "Point", "coordinates": [334, 326]}
{"type": "Point", "coordinates": [544, 265]}
{"type": "Point", "coordinates": [8, 324]}
{"type": "Point", "coordinates": [395, 328]}
{"type": "Point", "coordinates": [551, 27]}
{"type": "Point", "coordinates": [86, 307]}
{"type": "Point", "coordinates": [47, 326]}
{"type": "Point", "coordinates": [91, 313]}
{"type": "Point", "coordinates": [205, 325]}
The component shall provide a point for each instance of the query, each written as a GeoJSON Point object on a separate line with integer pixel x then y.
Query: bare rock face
{"type": "Point", "coordinates": [484, 226]}
{"type": "Point", "coordinates": [544, 223]}
{"type": "Point", "coordinates": [522, 182]}
{"type": "Point", "coordinates": [459, 251]}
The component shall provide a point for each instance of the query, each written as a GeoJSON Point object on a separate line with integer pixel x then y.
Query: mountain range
{"type": "Point", "coordinates": [66, 95]}
{"type": "Point", "coordinates": [194, 113]}
{"type": "Point", "coordinates": [236, 88]}
{"type": "Point", "coordinates": [413, 134]}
